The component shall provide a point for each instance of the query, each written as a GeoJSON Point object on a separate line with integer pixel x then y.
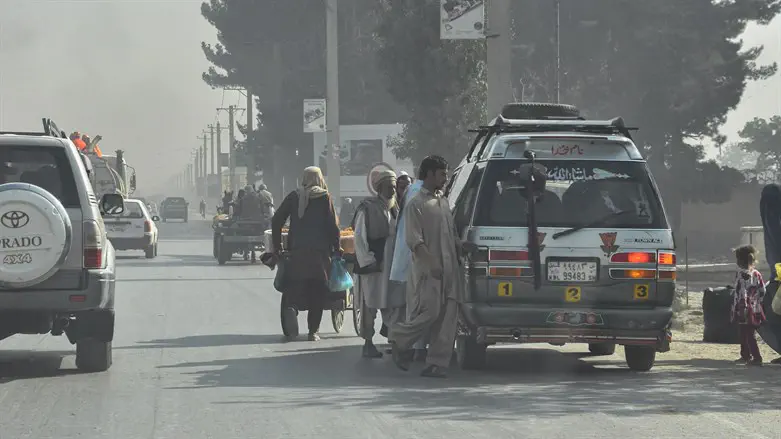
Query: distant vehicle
{"type": "Point", "coordinates": [573, 244]}
{"type": "Point", "coordinates": [133, 229]}
{"type": "Point", "coordinates": [57, 274]}
{"type": "Point", "coordinates": [174, 208]}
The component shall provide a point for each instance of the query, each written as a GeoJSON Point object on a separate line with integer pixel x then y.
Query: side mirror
{"type": "Point", "coordinates": [155, 218]}
{"type": "Point", "coordinates": [112, 204]}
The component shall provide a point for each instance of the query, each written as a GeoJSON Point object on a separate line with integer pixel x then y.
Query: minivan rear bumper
{"type": "Point", "coordinates": [535, 324]}
{"type": "Point", "coordinates": [96, 292]}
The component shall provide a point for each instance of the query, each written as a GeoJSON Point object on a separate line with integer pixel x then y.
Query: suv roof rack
{"type": "Point", "coordinates": [50, 129]}
{"type": "Point", "coordinates": [500, 124]}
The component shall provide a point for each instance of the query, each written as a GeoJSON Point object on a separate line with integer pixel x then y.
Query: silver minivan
{"type": "Point", "coordinates": [57, 272]}
{"type": "Point", "coordinates": [592, 260]}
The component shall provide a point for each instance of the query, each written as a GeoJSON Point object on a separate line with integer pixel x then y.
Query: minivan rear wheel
{"type": "Point", "coordinates": [602, 348]}
{"type": "Point", "coordinates": [471, 354]}
{"type": "Point", "coordinates": [93, 355]}
{"type": "Point", "coordinates": [640, 358]}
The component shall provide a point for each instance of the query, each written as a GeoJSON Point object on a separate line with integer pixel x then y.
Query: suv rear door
{"type": "Point", "coordinates": [129, 224]}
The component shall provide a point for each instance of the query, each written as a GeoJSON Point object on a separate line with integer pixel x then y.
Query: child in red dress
{"type": "Point", "coordinates": [747, 304]}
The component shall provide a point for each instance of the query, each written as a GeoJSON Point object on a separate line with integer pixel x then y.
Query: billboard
{"type": "Point", "coordinates": [314, 115]}
{"type": "Point", "coordinates": [462, 19]}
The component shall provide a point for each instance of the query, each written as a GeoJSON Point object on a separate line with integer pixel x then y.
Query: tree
{"type": "Point", "coordinates": [440, 83]}
{"type": "Point", "coordinates": [677, 68]}
{"type": "Point", "coordinates": [276, 48]}
{"type": "Point", "coordinates": [762, 137]}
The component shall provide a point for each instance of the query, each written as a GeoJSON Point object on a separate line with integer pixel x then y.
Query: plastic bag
{"type": "Point", "coordinates": [280, 279]}
{"type": "Point", "coordinates": [340, 279]}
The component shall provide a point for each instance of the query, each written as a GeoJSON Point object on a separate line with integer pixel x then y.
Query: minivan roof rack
{"type": "Point", "coordinates": [615, 126]}
{"type": "Point", "coordinates": [50, 129]}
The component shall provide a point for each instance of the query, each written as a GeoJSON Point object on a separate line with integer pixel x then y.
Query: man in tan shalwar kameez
{"type": "Point", "coordinates": [436, 277]}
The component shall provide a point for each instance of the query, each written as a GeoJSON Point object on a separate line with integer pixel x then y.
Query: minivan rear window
{"type": "Point", "coordinates": [578, 192]}
{"type": "Point", "coordinates": [47, 167]}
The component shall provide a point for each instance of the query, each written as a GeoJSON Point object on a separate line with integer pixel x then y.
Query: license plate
{"type": "Point", "coordinates": [572, 271]}
{"type": "Point", "coordinates": [118, 229]}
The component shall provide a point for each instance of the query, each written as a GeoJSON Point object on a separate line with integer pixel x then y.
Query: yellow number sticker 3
{"type": "Point", "coordinates": [572, 294]}
{"type": "Point", "coordinates": [641, 291]}
{"type": "Point", "coordinates": [505, 289]}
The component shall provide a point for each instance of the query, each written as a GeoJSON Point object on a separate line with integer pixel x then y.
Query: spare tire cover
{"type": "Point", "coordinates": [36, 235]}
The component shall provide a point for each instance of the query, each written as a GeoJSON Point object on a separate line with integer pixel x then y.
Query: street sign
{"type": "Point", "coordinates": [314, 115]}
{"type": "Point", "coordinates": [462, 19]}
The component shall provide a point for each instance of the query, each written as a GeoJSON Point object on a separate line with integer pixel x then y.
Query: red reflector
{"type": "Point", "coordinates": [634, 258]}
{"type": "Point", "coordinates": [93, 258]}
{"type": "Point", "coordinates": [147, 226]}
{"type": "Point", "coordinates": [508, 255]}
{"type": "Point", "coordinates": [78, 298]}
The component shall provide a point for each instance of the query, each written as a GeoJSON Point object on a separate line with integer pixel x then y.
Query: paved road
{"type": "Point", "coordinates": [198, 354]}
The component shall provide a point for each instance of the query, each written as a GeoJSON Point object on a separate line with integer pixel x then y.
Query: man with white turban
{"type": "Point", "coordinates": [375, 231]}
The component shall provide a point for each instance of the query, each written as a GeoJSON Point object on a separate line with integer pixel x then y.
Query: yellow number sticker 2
{"type": "Point", "coordinates": [641, 291]}
{"type": "Point", "coordinates": [505, 289]}
{"type": "Point", "coordinates": [572, 294]}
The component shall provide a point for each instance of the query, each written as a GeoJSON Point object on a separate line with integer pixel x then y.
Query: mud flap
{"type": "Point", "coordinates": [665, 339]}
{"type": "Point", "coordinates": [97, 325]}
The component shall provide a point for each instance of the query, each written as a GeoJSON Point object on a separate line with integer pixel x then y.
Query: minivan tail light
{"type": "Point", "coordinates": [506, 271]}
{"type": "Point", "coordinates": [147, 226]}
{"type": "Point", "coordinates": [93, 244]}
{"type": "Point", "coordinates": [508, 255]}
{"type": "Point", "coordinates": [634, 258]}
{"type": "Point", "coordinates": [667, 258]}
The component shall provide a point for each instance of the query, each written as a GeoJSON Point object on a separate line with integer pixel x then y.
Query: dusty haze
{"type": "Point", "coordinates": [131, 71]}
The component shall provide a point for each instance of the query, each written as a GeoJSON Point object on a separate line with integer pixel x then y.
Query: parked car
{"type": "Point", "coordinates": [133, 229]}
{"type": "Point", "coordinates": [57, 274]}
{"type": "Point", "coordinates": [174, 208]}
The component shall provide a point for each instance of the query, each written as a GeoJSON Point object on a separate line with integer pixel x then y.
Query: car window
{"type": "Point", "coordinates": [174, 201]}
{"type": "Point", "coordinates": [44, 166]}
{"type": "Point", "coordinates": [577, 193]}
{"type": "Point", "coordinates": [465, 203]}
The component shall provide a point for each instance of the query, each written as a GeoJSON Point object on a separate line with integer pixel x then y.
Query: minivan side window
{"type": "Point", "coordinates": [465, 204]}
{"type": "Point", "coordinates": [43, 166]}
{"type": "Point", "coordinates": [457, 184]}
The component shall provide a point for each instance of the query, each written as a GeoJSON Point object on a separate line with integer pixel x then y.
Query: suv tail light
{"type": "Point", "coordinates": [147, 226]}
{"type": "Point", "coordinates": [93, 244]}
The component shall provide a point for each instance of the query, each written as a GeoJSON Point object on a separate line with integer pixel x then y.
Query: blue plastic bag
{"type": "Point", "coordinates": [340, 279]}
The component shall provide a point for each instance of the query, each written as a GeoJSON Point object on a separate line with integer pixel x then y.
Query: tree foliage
{"type": "Point", "coordinates": [441, 83]}
{"type": "Point", "coordinates": [276, 48]}
{"type": "Point", "coordinates": [762, 137]}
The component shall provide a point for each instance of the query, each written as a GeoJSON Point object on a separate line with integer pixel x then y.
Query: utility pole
{"type": "Point", "coordinates": [250, 149]}
{"type": "Point", "coordinates": [232, 144]}
{"type": "Point", "coordinates": [219, 155]}
{"type": "Point", "coordinates": [333, 145]}
{"type": "Point", "coordinates": [211, 137]}
{"type": "Point", "coordinates": [500, 89]}
{"type": "Point", "coordinates": [202, 164]}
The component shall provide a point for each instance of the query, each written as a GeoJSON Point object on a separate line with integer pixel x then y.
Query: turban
{"type": "Point", "coordinates": [381, 176]}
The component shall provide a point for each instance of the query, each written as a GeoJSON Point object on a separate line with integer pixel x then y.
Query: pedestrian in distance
{"type": "Point", "coordinates": [436, 276]}
{"type": "Point", "coordinates": [747, 299]}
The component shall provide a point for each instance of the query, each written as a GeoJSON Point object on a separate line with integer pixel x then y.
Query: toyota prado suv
{"type": "Point", "coordinates": [57, 272]}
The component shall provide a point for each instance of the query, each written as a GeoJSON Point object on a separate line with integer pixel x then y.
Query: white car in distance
{"type": "Point", "coordinates": [133, 229]}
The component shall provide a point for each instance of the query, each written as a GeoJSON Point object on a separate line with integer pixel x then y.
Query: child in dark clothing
{"type": "Point", "coordinates": [747, 304]}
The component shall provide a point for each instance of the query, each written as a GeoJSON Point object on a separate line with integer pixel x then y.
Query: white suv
{"type": "Point", "coordinates": [57, 272]}
{"type": "Point", "coordinates": [133, 229]}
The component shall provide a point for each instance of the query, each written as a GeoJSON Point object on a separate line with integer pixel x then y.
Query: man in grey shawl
{"type": "Point", "coordinates": [375, 231]}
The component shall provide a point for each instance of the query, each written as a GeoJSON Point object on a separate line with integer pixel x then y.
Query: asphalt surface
{"type": "Point", "coordinates": [198, 353]}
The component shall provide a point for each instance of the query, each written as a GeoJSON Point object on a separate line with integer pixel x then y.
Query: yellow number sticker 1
{"type": "Point", "coordinates": [572, 294]}
{"type": "Point", "coordinates": [641, 291]}
{"type": "Point", "coordinates": [505, 289]}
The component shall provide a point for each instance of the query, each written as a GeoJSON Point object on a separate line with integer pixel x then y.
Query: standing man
{"type": "Point", "coordinates": [375, 228]}
{"type": "Point", "coordinates": [436, 278]}
{"type": "Point", "coordinates": [402, 184]}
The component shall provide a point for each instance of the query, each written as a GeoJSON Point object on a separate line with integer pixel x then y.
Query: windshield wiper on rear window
{"type": "Point", "coordinates": [596, 223]}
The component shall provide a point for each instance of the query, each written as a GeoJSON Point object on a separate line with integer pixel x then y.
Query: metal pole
{"type": "Point", "coordinates": [686, 255]}
{"type": "Point", "coordinates": [232, 148]}
{"type": "Point", "coordinates": [557, 73]}
{"type": "Point", "coordinates": [333, 143]}
{"type": "Point", "coordinates": [219, 156]}
{"type": "Point", "coordinates": [204, 158]}
{"type": "Point", "coordinates": [500, 89]}
{"type": "Point", "coordinates": [250, 149]}
{"type": "Point", "coordinates": [211, 142]}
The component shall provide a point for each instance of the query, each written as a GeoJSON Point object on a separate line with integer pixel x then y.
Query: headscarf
{"type": "Point", "coordinates": [312, 186]}
{"type": "Point", "coordinates": [380, 177]}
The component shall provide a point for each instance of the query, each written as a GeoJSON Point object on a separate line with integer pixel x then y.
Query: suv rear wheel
{"type": "Point", "coordinates": [602, 348]}
{"type": "Point", "coordinates": [471, 354]}
{"type": "Point", "coordinates": [640, 358]}
{"type": "Point", "coordinates": [93, 355]}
